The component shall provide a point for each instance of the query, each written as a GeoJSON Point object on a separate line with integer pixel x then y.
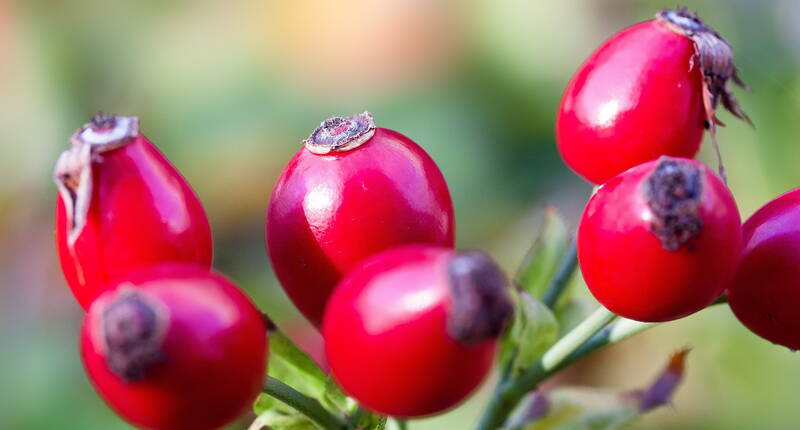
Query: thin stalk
{"type": "Point", "coordinates": [566, 268]}
{"type": "Point", "coordinates": [303, 404]}
{"type": "Point", "coordinates": [402, 424]}
{"type": "Point", "coordinates": [352, 422]}
{"type": "Point", "coordinates": [509, 393]}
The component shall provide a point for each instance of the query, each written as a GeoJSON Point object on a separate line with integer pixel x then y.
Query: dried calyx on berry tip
{"type": "Point", "coordinates": [132, 334]}
{"type": "Point", "coordinates": [715, 57]}
{"type": "Point", "coordinates": [73, 170]}
{"type": "Point", "coordinates": [340, 134]}
{"type": "Point", "coordinates": [481, 306]}
{"type": "Point", "coordinates": [673, 192]}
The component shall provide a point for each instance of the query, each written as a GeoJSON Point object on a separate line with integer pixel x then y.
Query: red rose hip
{"type": "Point", "coordinates": [765, 292]}
{"type": "Point", "coordinates": [175, 347]}
{"type": "Point", "coordinates": [352, 191]}
{"type": "Point", "coordinates": [649, 90]}
{"type": "Point", "coordinates": [122, 206]}
{"type": "Point", "coordinates": [412, 331]}
{"type": "Point", "coordinates": [660, 241]}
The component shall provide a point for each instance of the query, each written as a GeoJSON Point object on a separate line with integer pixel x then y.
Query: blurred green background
{"type": "Point", "coordinates": [227, 89]}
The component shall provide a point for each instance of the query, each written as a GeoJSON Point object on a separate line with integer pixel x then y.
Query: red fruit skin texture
{"type": "Point", "coordinates": [639, 96]}
{"type": "Point", "coordinates": [625, 265]}
{"type": "Point", "coordinates": [329, 212]}
{"type": "Point", "coordinates": [386, 338]}
{"type": "Point", "coordinates": [765, 292]}
{"type": "Point", "coordinates": [214, 352]}
{"type": "Point", "coordinates": [142, 213]}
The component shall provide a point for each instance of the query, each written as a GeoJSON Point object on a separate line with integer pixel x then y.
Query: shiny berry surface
{"type": "Point", "coordinates": [660, 241]}
{"type": "Point", "coordinates": [175, 347]}
{"type": "Point", "coordinates": [329, 211]}
{"type": "Point", "coordinates": [765, 293]}
{"type": "Point", "coordinates": [390, 337]}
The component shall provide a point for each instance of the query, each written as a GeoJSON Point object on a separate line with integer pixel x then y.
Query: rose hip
{"type": "Point", "coordinates": [660, 241]}
{"type": "Point", "coordinates": [413, 331]}
{"type": "Point", "coordinates": [353, 190]}
{"type": "Point", "coordinates": [649, 90]}
{"type": "Point", "coordinates": [175, 347]}
{"type": "Point", "coordinates": [765, 292]}
{"type": "Point", "coordinates": [122, 206]}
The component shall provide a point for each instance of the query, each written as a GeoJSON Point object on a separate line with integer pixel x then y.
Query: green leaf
{"type": "Point", "coordinates": [542, 260]}
{"type": "Point", "coordinates": [571, 408]}
{"type": "Point", "coordinates": [533, 330]}
{"type": "Point", "coordinates": [294, 367]}
{"type": "Point", "coordinates": [277, 420]}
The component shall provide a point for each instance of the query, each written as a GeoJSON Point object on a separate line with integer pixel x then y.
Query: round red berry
{"type": "Point", "coordinates": [660, 241]}
{"type": "Point", "coordinates": [641, 95]}
{"type": "Point", "coordinates": [412, 331]}
{"type": "Point", "coordinates": [765, 292]}
{"type": "Point", "coordinates": [352, 191]}
{"type": "Point", "coordinates": [121, 207]}
{"type": "Point", "coordinates": [175, 347]}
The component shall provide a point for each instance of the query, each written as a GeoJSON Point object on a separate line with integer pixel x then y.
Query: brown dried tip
{"type": "Point", "coordinates": [673, 192]}
{"type": "Point", "coordinates": [481, 306]}
{"type": "Point", "coordinates": [133, 331]}
{"type": "Point", "coordinates": [661, 391]}
{"type": "Point", "coordinates": [715, 57]}
{"type": "Point", "coordinates": [339, 134]}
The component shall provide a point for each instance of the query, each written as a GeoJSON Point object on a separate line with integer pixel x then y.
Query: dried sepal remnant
{"type": "Point", "coordinates": [106, 132]}
{"type": "Point", "coordinates": [133, 331]}
{"type": "Point", "coordinates": [715, 59]}
{"type": "Point", "coordinates": [73, 170]}
{"type": "Point", "coordinates": [481, 307]}
{"type": "Point", "coordinates": [673, 192]}
{"type": "Point", "coordinates": [73, 178]}
{"type": "Point", "coordinates": [339, 134]}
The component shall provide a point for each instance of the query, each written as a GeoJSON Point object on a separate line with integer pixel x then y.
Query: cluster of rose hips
{"type": "Point", "coordinates": [360, 232]}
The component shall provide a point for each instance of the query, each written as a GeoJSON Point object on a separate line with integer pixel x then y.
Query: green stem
{"type": "Point", "coordinates": [509, 393]}
{"type": "Point", "coordinates": [402, 424]}
{"type": "Point", "coordinates": [352, 422]}
{"type": "Point", "coordinates": [303, 404]}
{"type": "Point", "coordinates": [566, 268]}
{"type": "Point", "coordinates": [617, 332]}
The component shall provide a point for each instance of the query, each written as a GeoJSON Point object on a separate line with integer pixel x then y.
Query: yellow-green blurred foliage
{"type": "Point", "coordinates": [227, 89]}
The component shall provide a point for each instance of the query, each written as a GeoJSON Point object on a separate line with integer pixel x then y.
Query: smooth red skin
{"type": "Point", "coordinates": [639, 96]}
{"type": "Point", "coordinates": [628, 270]}
{"type": "Point", "coordinates": [215, 351]}
{"type": "Point", "coordinates": [329, 212]}
{"type": "Point", "coordinates": [142, 213]}
{"type": "Point", "coordinates": [386, 339]}
{"type": "Point", "coordinates": [765, 292]}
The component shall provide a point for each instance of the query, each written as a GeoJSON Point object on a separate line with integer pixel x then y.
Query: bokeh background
{"type": "Point", "coordinates": [227, 89]}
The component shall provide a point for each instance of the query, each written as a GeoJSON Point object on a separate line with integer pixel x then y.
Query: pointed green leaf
{"type": "Point", "coordinates": [542, 260]}
{"type": "Point", "coordinates": [533, 330]}
{"type": "Point", "coordinates": [293, 366]}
